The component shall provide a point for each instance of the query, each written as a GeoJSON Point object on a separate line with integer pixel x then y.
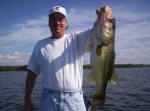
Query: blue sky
{"type": "Point", "coordinates": [24, 22]}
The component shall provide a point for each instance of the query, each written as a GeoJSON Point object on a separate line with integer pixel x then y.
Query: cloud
{"type": "Point", "coordinates": [14, 59]}
{"type": "Point", "coordinates": [131, 29]}
{"type": "Point", "coordinates": [130, 59]}
{"type": "Point", "coordinates": [33, 30]}
{"type": "Point", "coordinates": [131, 11]}
{"type": "Point", "coordinates": [80, 19]}
{"type": "Point", "coordinates": [132, 33]}
{"type": "Point", "coordinates": [136, 30]}
{"type": "Point", "coordinates": [27, 32]}
{"type": "Point", "coordinates": [81, 16]}
{"type": "Point", "coordinates": [131, 16]}
{"type": "Point", "coordinates": [1, 56]}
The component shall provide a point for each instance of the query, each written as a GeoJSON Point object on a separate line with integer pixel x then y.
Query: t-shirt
{"type": "Point", "coordinates": [61, 61]}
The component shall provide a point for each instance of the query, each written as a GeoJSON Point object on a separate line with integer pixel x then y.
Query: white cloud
{"type": "Point", "coordinates": [131, 29]}
{"type": "Point", "coordinates": [14, 59]}
{"type": "Point", "coordinates": [35, 29]}
{"type": "Point", "coordinates": [80, 19]}
{"type": "Point", "coordinates": [130, 26]}
{"type": "Point", "coordinates": [136, 30]}
{"type": "Point", "coordinates": [1, 56]}
{"type": "Point", "coordinates": [32, 30]}
{"type": "Point", "coordinates": [126, 12]}
{"type": "Point", "coordinates": [80, 16]}
{"type": "Point", "coordinates": [131, 16]}
{"type": "Point", "coordinates": [39, 22]}
{"type": "Point", "coordinates": [27, 32]}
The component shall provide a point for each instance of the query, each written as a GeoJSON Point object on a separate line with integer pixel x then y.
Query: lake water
{"type": "Point", "coordinates": [132, 92]}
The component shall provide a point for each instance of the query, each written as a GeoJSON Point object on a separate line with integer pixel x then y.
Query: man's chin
{"type": "Point", "coordinates": [57, 31]}
{"type": "Point", "coordinates": [58, 34]}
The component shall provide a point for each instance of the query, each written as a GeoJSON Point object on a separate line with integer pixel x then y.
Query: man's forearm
{"type": "Point", "coordinates": [30, 82]}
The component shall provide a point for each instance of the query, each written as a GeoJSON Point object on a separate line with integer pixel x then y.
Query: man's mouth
{"type": "Point", "coordinates": [58, 27]}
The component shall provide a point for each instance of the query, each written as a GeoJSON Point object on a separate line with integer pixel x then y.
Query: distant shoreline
{"type": "Point", "coordinates": [122, 66]}
{"type": "Point", "coordinates": [24, 67]}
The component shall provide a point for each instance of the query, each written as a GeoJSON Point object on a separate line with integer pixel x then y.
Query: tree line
{"type": "Point", "coordinates": [122, 66]}
{"type": "Point", "coordinates": [13, 68]}
{"type": "Point", "coordinates": [24, 68]}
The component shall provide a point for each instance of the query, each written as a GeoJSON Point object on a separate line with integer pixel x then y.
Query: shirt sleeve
{"type": "Point", "coordinates": [33, 64]}
{"type": "Point", "coordinates": [84, 39]}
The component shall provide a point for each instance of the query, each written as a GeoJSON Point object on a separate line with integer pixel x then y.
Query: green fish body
{"type": "Point", "coordinates": [102, 59]}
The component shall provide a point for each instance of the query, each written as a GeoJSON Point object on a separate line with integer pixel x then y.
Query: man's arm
{"type": "Point", "coordinates": [30, 82]}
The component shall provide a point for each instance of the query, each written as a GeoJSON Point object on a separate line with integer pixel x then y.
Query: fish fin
{"type": "Point", "coordinates": [90, 78]}
{"type": "Point", "coordinates": [99, 101]}
{"type": "Point", "coordinates": [89, 47]}
{"type": "Point", "coordinates": [113, 78]}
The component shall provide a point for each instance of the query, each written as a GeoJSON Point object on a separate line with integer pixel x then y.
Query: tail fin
{"type": "Point", "coordinates": [99, 101]}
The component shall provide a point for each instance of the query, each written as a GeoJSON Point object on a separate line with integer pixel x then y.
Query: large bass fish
{"type": "Point", "coordinates": [102, 55]}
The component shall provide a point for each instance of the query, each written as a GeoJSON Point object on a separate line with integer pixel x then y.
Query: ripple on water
{"type": "Point", "coordinates": [132, 92]}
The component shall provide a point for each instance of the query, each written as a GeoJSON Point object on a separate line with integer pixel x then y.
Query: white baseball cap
{"type": "Point", "coordinates": [58, 9]}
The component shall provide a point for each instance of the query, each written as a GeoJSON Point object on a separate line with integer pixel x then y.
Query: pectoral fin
{"type": "Point", "coordinates": [90, 78]}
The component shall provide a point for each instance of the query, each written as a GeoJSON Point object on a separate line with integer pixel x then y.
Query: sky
{"type": "Point", "coordinates": [24, 22]}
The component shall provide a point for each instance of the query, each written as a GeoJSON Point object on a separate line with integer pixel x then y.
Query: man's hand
{"type": "Point", "coordinates": [30, 82]}
{"type": "Point", "coordinates": [104, 13]}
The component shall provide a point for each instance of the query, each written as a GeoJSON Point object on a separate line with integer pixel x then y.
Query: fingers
{"type": "Point", "coordinates": [103, 14]}
{"type": "Point", "coordinates": [107, 10]}
{"type": "Point", "coordinates": [98, 12]}
{"type": "Point", "coordinates": [109, 14]}
{"type": "Point", "coordinates": [103, 18]}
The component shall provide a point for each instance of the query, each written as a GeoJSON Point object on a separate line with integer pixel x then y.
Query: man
{"type": "Point", "coordinates": [59, 59]}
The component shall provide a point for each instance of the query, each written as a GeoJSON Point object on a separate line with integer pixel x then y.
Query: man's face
{"type": "Point", "coordinates": [58, 24]}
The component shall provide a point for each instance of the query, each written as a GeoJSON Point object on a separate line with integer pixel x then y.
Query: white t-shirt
{"type": "Point", "coordinates": [61, 61]}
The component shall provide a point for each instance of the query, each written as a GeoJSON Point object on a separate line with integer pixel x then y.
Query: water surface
{"type": "Point", "coordinates": [132, 92]}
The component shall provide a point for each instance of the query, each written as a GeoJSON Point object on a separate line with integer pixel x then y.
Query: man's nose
{"type": "Point", "coordinates": [57, 21]}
